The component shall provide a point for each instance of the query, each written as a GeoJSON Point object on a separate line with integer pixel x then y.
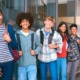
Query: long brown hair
{"type": "Point", "coordinates": [66, 32]}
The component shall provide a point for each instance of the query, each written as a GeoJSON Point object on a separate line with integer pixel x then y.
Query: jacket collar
{"type": "Point", "coordinates": [19, 32]}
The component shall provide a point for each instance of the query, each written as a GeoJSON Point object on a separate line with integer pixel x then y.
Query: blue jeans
{"type": "Point", "coordinates": [61, 67]}
{"type": "Point", "coordinates": [52, 67]}
{"type": "Point", "coordinates": [71, 70]}
{"type": "Point", "coordinates": [27, 73]}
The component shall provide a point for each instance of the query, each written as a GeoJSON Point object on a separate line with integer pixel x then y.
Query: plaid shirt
{"type": "Point", "coordinates": [47, 54]}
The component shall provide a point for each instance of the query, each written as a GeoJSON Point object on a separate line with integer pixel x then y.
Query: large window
{"type": "Point", "coordinates": [78, 15]}
{"type": "Point", "coordinates": [41, 9]}
{"type": "Point", "coordinates": [66, 11]}
{"type": "Point", "coordinates": [10, 10]}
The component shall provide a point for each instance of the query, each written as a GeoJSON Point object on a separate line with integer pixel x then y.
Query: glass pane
{"type": "Point", "coordinates": [10, 10]}
{"type": "Point", "coordinates": [66, 11]}
{"type": "Point", "coordinates": [78, 15]}
{"type": "Point", "coordinates": [41, 9]}
{"type": "Point", "coordinates": [19, 5]}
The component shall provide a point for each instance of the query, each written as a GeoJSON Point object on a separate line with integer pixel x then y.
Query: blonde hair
{"type": "Point", "coordinates": [51, 18]}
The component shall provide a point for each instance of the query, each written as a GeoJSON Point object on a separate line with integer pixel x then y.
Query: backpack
{"type": "Point", "coordinates": [49, 39]}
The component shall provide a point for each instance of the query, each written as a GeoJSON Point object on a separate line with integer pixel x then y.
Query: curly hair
{"type": "Point", "coordinates": [28, 16]}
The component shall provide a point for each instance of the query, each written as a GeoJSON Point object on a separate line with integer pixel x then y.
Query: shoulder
{"type": "Point", "coordinates": [10, 26]}
{"type": "Point", "coordinates": [33, 32]}
{"type": "Point", "coordinates": [56, 33]}
{"type": "Point", "coordinates": [78, 37]}
{"type": "Point", "coordinates": [38, 30]}
{"type": "Point", "coordinates": [18, 31]}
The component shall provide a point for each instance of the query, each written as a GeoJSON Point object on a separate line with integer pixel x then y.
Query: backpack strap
{"type": "Point", "coordinates": [19, 41]}
{"type": "Point", "coordinates": [32, 41]}
{"type": "Point", "coordinates": [50, 37]}
{"type": "Point", "coordinates": [41, 37]}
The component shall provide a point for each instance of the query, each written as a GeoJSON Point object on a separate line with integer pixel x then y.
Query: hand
{"type": "Point", "coordinates": [68, 50]}
{"type": "Point", "coordinates": [20, 53]}
{"type": "Point", "coordinates": [52, 46]}
{"type": "Point", "coordinates": [33, 52]}
{"type": "Point", "coordinates": [7, 37]}
{"type": "Point", "coordinates": [78, 41]}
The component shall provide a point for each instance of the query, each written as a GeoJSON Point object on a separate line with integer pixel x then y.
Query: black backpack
{"type": "Point", "coordinates": [49, 39]}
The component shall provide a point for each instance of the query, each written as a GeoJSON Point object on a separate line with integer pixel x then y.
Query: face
{"type": "Point", "coordinates": [63, 28]}
{"type": "Point", "coordinates": [1, 18]}
{"type": "Point", "coordinates": [25, 24]}
{"type": "Point", "coordinates": [48, 24]}
{"type": "Point", "coordinates": [74, 30]}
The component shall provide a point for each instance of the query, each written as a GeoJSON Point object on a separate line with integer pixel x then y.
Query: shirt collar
{"type": "Point", "coordinates": [44, 30]}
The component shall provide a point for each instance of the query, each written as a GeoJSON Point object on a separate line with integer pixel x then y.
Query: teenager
{"type": "Point", "coordinates": [27, 69]}
{"type": "Point", "coordinates": [51, 42]}
{"type": "Point", "coordinates": [7, 41]}
{"type": "Point", "coordinates": [61, 62]}
{"type": "Point", "coordinates": [73, 53]}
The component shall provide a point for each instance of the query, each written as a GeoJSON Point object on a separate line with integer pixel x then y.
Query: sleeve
{"type": "Point", "coordinates": [13, 44]}
{"type": "Point", "coordinates": [38, 33]}
{"type": "Point", "coordinates": [59, 43]}
{"type": "Point", "coordinates": [38, 45]}
{"type": "Point", "coordinates": [67, 46]}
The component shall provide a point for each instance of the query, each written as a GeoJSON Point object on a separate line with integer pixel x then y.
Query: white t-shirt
{"type": "Point", "coordinates": [26, 34]}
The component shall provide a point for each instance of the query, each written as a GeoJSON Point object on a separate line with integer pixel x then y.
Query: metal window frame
{"type": "Point", "coordinates": [25, 5]}
{"type": "Point", "coordinates": [75, 15]}
{"type": "Point", "coordinates": [56, 14]}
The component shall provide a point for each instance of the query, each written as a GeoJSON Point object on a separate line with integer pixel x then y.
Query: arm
{"type": "Point", "coordinates": [38, 45]}
{"type": "Point", "coordinates": [59, 43]}
{"type": "Point", "coordinates": [78, 41]}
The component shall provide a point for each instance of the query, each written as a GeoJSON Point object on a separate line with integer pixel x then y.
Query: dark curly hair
{"type": "Point", "coordinates": [73, 25]}
{"type": "Point", "coordinates": [28, 16]}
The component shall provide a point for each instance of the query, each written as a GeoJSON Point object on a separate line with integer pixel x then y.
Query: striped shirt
{"type": "Point", "coordinates": [5, 54]}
